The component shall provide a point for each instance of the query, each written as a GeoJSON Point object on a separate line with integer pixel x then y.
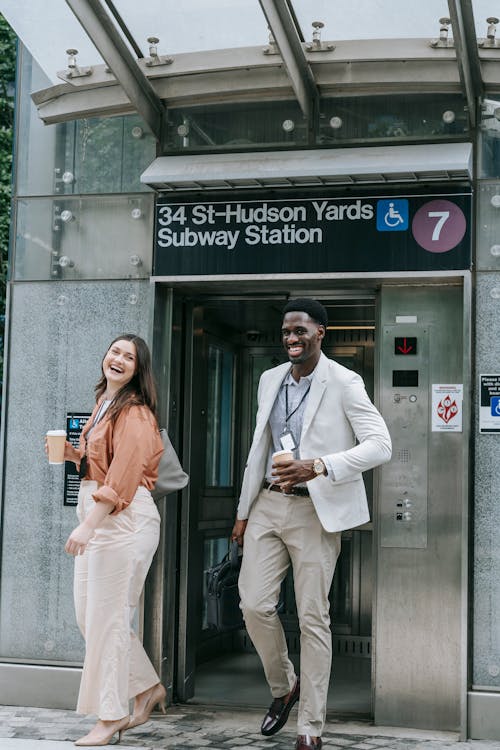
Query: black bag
{"type": "Point", "coordinates": [223, 599]}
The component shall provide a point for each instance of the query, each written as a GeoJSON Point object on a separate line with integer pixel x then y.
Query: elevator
{"type": "Point", "coordinates": [397, 600]}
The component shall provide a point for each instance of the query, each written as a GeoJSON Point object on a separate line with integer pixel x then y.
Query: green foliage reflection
{"type": "Point", "coordinates": [7, 77]}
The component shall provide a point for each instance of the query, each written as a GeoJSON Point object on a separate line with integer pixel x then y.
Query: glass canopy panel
{"type": "Point", "coordinates": [48, 29]}
{"type": "Point", "coordinates": [194, 25]}
{"type": "Point", "coordinates": [484, 9]}
{"type": "Point", "coordinates": [371, 19]}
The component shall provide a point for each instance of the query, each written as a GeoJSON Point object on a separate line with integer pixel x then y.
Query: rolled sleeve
{"type": "Point", "coordinates": [108, 495]}
{"type": "Point", "coordinates": [136, 450]}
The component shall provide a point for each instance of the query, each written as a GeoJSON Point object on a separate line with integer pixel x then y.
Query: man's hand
{"type": "Point", "coordinates": [290, 473]}
{"type": "Point", "coordinates": [239, 531]}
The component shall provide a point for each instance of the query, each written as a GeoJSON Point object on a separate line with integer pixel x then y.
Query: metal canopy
{"type": "Point", "coordinates": [386, 164]}
{"type": "Point", "coordinates": [111, 45]}
{"type": "Point", "coordinates": [469, 66]}
{"type": "Point", "coordinates": [285, 33]}
{"type": "Point", "coordinates": [118, 30]}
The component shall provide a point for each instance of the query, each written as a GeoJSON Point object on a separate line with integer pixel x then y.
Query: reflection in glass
{"type": "Point", "coordinates": [343, 120]}
{"type": "Point", "coordinates": [489, 140]}
{"type": "Point", "coordinates": [236, 127]}
{"type": "Point", "coordinates": [488, 205]}
{"type": "Point", "coordinates": [69, 238]}
{"type": "Point", "coordinates": [219, 417]}
{"type": "Point", "coordinates": [91, 155]}
{"type": "Point", "coordinates": [213, 552]}
{"type": "Point", "coordinates": [111, 153]}
{"type": "Point", "coordinates": [392, 119]}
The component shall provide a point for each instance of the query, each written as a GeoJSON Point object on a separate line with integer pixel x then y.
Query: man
{"type": "Point", "coordinates": [295, 512]}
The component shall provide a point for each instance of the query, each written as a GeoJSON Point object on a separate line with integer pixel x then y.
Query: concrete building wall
{"type": "Point", "coordinates": [59, 332]}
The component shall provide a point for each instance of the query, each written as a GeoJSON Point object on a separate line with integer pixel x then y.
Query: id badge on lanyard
{"type": "Point", "coordinates": [287, 440]}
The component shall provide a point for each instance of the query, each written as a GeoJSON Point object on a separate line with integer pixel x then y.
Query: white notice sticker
{"type": "Point", "coordinates": [447, 407]}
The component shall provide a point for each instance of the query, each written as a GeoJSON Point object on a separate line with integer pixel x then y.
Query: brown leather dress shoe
{"type": "Point", "coordinates": [306, 742]}
{"type": "Point", "coordinates": [277, 716]}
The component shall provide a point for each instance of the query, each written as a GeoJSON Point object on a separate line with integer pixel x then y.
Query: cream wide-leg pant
{"type": "Point", "coordinates": [284, 529]}
{"type": "Point", "coordinates": [109, 578]}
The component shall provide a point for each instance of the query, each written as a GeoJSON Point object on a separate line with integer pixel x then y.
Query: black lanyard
{"type": "Point", "coordinates": [287, 415]}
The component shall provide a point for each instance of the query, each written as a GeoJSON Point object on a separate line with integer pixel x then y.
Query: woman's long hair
{"type": "Point", "coordinates": [141, 390]}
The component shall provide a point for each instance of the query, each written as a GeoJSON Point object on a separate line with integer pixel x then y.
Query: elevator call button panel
{"type": "Point", "coordinates": [405, 406]}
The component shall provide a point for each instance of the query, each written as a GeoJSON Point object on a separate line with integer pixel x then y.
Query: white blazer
{"type": "Point", "coordinates": [341, 423]}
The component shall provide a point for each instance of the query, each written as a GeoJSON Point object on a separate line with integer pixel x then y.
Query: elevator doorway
{"type": "Point", "coordinates": [229, 343]}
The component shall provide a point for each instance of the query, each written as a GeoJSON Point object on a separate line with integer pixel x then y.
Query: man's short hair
{"type": "Point", "coordinates": [312, 307]}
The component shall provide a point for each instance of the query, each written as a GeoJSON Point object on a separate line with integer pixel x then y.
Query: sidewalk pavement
{"type": "Point", "coordinates": [214, 728]}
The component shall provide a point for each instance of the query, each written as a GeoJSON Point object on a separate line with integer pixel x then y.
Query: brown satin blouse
{"type": "Point", "coordinates": [121, 456]}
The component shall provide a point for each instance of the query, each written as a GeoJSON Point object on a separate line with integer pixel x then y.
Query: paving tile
{"type": "Point", "coordinates": [237, 741]}
{"type": "Point", "coordinates": [207, 728]}
{"type": "Point", "coordinates": [343, 741]}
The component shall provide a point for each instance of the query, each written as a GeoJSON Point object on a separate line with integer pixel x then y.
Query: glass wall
{"type": "Point", "coordinates": [343, 121]}
{"type": "Point", "coordinates": [93, 155]}
{"type": "Point", "coordinates": [236, 127]}
{"type": "Point", "coordinates": [489, 151]}
{"type": "Point", "coordinates": [81, 237]}
{"type": "Point", "coordinates": [392, 119]}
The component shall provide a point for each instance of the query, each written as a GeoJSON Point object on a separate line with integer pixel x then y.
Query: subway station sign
{"type": "Point", "coordinates": [320, 234]}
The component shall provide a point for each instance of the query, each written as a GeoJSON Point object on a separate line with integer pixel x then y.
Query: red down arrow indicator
{"type": "Point", "coordinates": [406, 345]}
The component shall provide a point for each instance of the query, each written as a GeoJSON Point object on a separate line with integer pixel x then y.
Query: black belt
{"type": "Point", "coordinates": [300, 491]}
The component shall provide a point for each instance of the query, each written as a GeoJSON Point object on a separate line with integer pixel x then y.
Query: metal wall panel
{"type": "Point", "coordinates": [420, 643]}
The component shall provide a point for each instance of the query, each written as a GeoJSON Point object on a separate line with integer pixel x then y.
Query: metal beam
{"type": "Point", "coordinates": [469, 65]}
{"type": "Point", "coordinates": [103, 33]}
{"type": "Point", "coordinates": [284, 31]}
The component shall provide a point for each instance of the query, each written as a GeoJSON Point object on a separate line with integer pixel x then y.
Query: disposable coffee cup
{"type": "Point", "coordinates": [56, 443]}
{"type": "Point", "coordinates": [281, 457]}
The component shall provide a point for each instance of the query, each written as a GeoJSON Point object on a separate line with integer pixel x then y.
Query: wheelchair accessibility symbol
{"type": "Point", "coordinates": [495, 406]}
{"type": "Point", "coordinates": [392, 215]}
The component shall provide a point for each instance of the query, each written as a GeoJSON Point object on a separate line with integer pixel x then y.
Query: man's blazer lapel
{"type": "Point", "coordinates": [318, 387]}
{"type": "Point", "coordinates": [269, 396]}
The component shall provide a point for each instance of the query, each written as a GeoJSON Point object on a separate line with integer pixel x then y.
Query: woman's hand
{"type": "Point", "coordinates": [69, 450]}
{"type": "Point", "coordinates": [78, 539]}
{"type": "Point", "coordinates": [81, 536]}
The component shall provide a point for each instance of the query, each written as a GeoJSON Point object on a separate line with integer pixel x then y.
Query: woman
{"type": "Point", "coordinates": [116, 539]}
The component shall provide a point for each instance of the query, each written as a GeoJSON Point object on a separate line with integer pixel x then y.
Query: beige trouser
{"type": "Point", "coordinates": [109, 578]}
{"type": "Point", "coordinates": [283, 529]}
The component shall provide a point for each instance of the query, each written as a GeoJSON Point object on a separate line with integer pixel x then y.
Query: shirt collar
{"type": "Point", "coordinates": [290, 380]}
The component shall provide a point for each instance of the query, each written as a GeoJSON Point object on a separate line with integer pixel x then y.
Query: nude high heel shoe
{"type": "Point", "coordinates": [157, 695]}
{"type": "Point", "coordinates": [90, 739]}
